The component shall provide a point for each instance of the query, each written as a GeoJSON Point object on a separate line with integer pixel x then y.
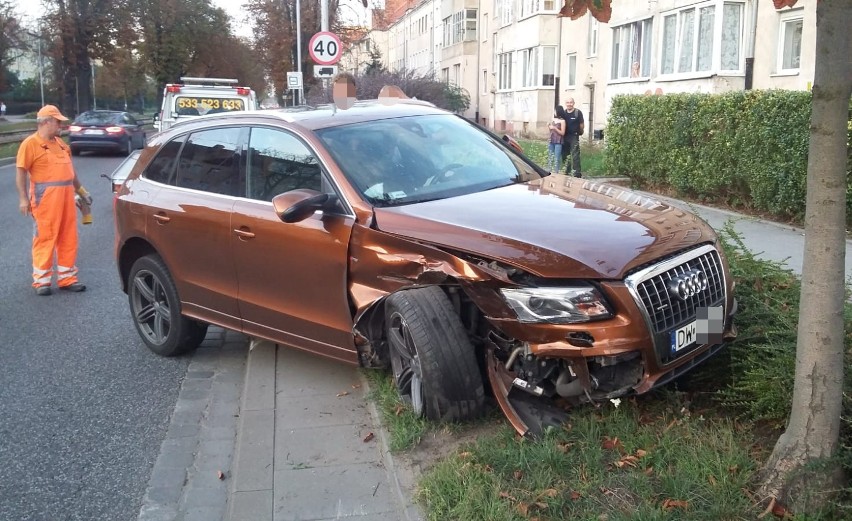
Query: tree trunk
{"type": "Point", "coordinates": [813, 430]}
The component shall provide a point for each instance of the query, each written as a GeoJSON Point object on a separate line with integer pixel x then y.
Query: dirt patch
{"type": "Point", "coordinates": [443, 441]}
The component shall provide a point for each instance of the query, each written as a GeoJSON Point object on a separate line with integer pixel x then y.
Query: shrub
{"type": "Point", "coordinates": [747, 149]}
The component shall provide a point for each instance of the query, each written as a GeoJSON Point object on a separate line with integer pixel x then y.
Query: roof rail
{"type": "Point", "coordinates": [209, 80]}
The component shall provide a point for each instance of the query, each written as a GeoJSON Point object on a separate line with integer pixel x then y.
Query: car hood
{"type": "Point", "coordinates": [559, 226]}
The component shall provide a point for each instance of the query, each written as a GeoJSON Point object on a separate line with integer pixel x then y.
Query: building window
{"type": "Point", "coordinates": [790, 44]}
{"type": "Point", "coordinates": [572, 71]}
{"type": "Point", "coordinates": [689, 37]}
{"type": "Point", "coordinates": [485, 27]}
{"type": "Point", "coordinates": [458, 27]}
{"type": "Point", "coordinates": [594, 26]}
{"type": "Point", "coordinates": [504, 64]}
{"type": "Point", "coordinates": [457, 74]}
{"type": "Point", "coordinates": [447, 27]}
{"type": "Point", "coordinates": [531, 7]}
{"type": "Point", "coordinates": [548, 66]}
{"type": "Point", "coordinates": [631, 50]}
{"type": "Point", "coordinates": [445, 74]}
{"type": "Point", "coordinates": [484, 81]}
{"type": "Point", "coordinates": [529, 67]}
{"type": "Point", "coordinates": [732, 35]}
{"type": "Point", "coordinates": [470, 25]}
{"type": "Point", "coordinates": [506, 12]}
{"type": "Point", "coordinates": [538, 66]}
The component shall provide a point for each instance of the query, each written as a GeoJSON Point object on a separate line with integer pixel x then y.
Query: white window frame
{"type": "Point", "coordinates": [506, 12]}
{"type": "Point", "coordinates": [529, 59]}
{"type": "Point", "coordinates": [456, 77]}
{"type": "Point", "coordinates": [527, 8]}
{"type": "Point", "coordinates": [484, 27]}
{"type": "Point", "coordinates": [458, 27]}
{"type": "Point", "coordinates": [470, 24]}
{"type": "Point", "coordinates": [447, 25]}
{"type": "Point", "coordinates": [594, 30]}
{"type": "Point", "coordinates": [786, 23]}
{"type": "Point", "coordinates": [680, 43]}
{"type": "Point", "coordinates": [538, 66]}
{"type": "Point", "coordinates": [571, 76]}
{"type": "Point", "coordinates": [504, 68]}
{"type": "Point", "coordinates": [623, 37]}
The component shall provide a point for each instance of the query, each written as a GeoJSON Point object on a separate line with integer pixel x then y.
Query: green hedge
{"type": "Point", "coordinates": [747, 149]}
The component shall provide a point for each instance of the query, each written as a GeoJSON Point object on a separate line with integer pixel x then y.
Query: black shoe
{"type": "Point", "coordinates": [43, 291]}
{"type": "Point", "coordinates": [578, 174]}
{"type": "Point", "coordinates": [76, 287]}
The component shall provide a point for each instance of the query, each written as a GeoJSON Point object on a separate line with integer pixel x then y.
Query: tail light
{"type": "Point", "coordinates": [243, 91]}
{"type": "Point", "coordinates": [173, 88]}
{"type": "Point", "coordinates": [75, 128]}
{"type": "Point", "coordinates": [114, 130]}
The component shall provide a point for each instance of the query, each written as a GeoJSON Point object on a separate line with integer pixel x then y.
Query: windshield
{"type": "Point", "coordinates": [208, 104]}
{"type": "Point", "coordinates": [422, 158]}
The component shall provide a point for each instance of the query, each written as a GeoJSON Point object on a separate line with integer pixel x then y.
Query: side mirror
{"type": "Point", "coordinates": [297, 205]}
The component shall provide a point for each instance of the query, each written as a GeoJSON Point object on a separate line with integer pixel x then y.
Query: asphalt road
{"type": "Point", "coordinates": [84, 406]}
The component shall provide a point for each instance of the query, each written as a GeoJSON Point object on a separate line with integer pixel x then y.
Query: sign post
{"type": "Point", "coordinates": [294, 82]}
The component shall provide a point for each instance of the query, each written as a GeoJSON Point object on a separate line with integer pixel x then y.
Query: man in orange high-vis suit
{"type": "Point", "coordinates": [45, 161]}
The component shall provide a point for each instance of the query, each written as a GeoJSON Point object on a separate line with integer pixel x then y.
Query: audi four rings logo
{"type": "Point", "coordinates": [688, 284]}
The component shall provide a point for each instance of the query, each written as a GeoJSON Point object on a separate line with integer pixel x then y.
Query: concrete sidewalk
{"type": "Point", "coordinates": [310, 446]}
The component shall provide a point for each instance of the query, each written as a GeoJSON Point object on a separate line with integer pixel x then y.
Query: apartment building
{"type": "Point", "coordinates": [510, 55]}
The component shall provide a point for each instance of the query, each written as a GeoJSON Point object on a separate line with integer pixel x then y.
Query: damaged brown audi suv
{"type": "Point", "coordinates": [403, 236]}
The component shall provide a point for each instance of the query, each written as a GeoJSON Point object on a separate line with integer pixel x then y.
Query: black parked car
{"type": "Point", "coordinates": [106, 130]}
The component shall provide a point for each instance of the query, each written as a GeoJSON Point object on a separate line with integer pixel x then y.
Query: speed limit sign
{"type": "Point", "coordinates": [325, 48]}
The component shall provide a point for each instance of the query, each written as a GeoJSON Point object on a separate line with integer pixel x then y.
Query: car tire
{"type": "Point", "coordinates": [433, 362]}
{"type": "Point", "coordinates": [129, 148]}
{"type": "Point", "coordinates": [156, 312]}
{"type": "Point", "coordinates": [75, 151]}
{"type": "Point", "coordinates": [144, 142]}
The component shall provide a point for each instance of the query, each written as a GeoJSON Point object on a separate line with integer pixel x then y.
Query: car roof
{"type": "Point", "coordinates": [328, 115]}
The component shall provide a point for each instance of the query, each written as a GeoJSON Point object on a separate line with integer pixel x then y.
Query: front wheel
{"type": "Point", "coordinates": [433, 362]}
{"type": "Point", "coordinates": [155, 307]}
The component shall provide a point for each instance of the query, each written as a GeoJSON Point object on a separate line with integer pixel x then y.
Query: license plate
{"type": "Point", "coordinates": [684, 337]}
{"type": "Point", "coordinates": [93, 132]}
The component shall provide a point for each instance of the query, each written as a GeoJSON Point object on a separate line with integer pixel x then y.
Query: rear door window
{"type": "Point", "coordinates": [279, 162]}
{"type": "Point", "coordinates": [162, 167]}
{"type": "Point", "coordinates": [210, 161]}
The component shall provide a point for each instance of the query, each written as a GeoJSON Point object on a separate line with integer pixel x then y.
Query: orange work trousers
{"type": "Point", "coordinates": [54, 233]}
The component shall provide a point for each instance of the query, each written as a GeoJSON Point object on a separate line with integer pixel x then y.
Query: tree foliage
{"type": "Point", "coordinates": [274, 23]}
{"type": "Point", "coordinates": [11, 41]}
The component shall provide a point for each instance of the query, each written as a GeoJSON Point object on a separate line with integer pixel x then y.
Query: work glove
{"type": "Point", "coordinates": [85, 196]}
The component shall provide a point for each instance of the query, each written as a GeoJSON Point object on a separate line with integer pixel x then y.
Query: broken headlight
{"type": "Point", "coordinates": [557, 305]}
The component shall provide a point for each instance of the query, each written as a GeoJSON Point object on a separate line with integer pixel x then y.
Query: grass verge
{"type": "Point", "coordinates": [591, 156]}
{"type": "Point", "coordinates": [645, 459]}
{"type": "Point", "coordinates": [405, 428]}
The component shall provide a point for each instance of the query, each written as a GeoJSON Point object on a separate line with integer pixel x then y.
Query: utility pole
{"type": "Point", "coordinates": [299, 44]}
{"type": "Point", "coordinates": [94, 95]}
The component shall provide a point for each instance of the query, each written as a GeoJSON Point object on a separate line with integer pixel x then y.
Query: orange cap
{"type": "Point", "coordinates": [50, 111]}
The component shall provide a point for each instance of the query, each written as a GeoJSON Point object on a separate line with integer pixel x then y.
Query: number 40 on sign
{"type": "Point", "coordinates": [324, 48]}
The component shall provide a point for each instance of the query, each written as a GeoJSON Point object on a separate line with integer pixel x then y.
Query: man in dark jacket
{"type": "Point", "coordinates": [575, 125]}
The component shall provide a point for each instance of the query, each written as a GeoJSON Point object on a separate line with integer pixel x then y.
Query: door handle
{"type": "Point", "coordinates": [244, 234]}
{"type": "Point", "coordinates": [161, 218]}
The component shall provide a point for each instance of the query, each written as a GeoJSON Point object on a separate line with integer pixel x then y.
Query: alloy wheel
{"type": "Point", "coordinates": [150, 307]}
{"type": "Point", "coordinates": [405, 362]}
